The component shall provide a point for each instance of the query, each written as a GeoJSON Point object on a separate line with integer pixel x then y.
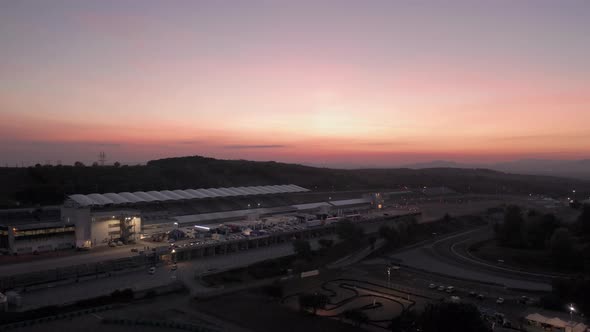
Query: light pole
{"type": "Point", "coordinates": [388, 277]}
{"type": "Point", "coordinates": [572, 309]}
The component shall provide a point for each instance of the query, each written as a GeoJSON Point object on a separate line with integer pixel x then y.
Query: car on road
{"type": "Point", "coordinates": [174, 267]}
{"type": "Point", "coordinates": [134, 250]}
{"type": "Point", "coordinates": [500, 300]}
{"type": "Point", "coordinates": [480, 296]}
{"type": "Point", "coordinates": [432, 286]}
{"type": "Point", "coordinates": [441, 288]}
{"type": "Point", "coordinates": [152, 270]}
{"type": "Point", "coordinates": [472, 294]}
{"type": "Point", "coordinates": [450, 289]}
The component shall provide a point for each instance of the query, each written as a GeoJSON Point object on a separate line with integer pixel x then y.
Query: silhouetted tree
{"type": "Point", "coordinates": [302, 249]}
{"type": "Point", "coordinates": [312, 301]}
{"type": "Point", "coordinates": [446, 218]}
{"type": "Point", "coordinates": [326, 243]}
{"type": "Point", "coordinates": [562, 249]}
{"type": "Point", "coordinates": [274, 290]}
{"type": "Point", "coordinates": [357, 316]}
{"type": "Point", "coordinates": [538, 230]}
{"type": "Point", "coordinates": [584, 220]}
{"type": "Point", "coordinates": [452, 317]}
{"type": "Point", "coordinates": [347, 231]}
{"type": "Point", "coordinates": [372, 241]}
{"type": "Point", "coordinates": [117, 164]}
{"type": "Point", "coordinates": [391, 235]}
{"type": "Point", "coordinates": [510, 233]}
{"type": "Point", "coordinates": [79, 164]}
{"type": "Point", "coordinates": [404, 322]}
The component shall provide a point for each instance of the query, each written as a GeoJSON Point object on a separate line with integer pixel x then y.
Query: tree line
{"type": "Point", "coordinates": [568, 244]}
{"type": "Point", "coordinates": [50, 185]}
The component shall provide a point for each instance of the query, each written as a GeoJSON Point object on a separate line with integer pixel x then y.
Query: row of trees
{"type": "Point", "coordinates": [48, 185]}
{"type": "Point", "coordinates": [401, 233]}
{"type": "Point", "coordinates": [533, 232]}
{"type": "Point", "coordinates": [116, 164]}
{"type": "Point", "coordinates": [409, 231]}
{"type": "Point", "coordinates": [568, 244]}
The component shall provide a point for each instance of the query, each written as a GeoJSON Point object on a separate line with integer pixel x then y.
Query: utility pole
{"type": "Point", "coordinates": [102, 157]}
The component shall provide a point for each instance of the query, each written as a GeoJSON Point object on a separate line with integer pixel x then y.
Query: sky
{"type": "Point", "coordinates": [333, 83]}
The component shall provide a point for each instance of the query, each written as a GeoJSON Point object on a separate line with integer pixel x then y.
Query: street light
{"type": "Point", "coordinates": [572, 309]}
{"type": "Point", "coordinates": [388, 276]}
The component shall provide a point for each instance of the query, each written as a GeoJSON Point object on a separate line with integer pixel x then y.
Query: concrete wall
{"type": "Point", "coordinates": [50, 243]}
{"type": "Point", "coordinates": [81, 218]}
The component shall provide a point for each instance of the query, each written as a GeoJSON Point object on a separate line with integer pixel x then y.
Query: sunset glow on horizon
{"type": "Point", "coordinates": [334, 83]}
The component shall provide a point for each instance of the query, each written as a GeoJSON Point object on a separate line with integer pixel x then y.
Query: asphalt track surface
{"type": "Point", "coordinates": [448, 256]}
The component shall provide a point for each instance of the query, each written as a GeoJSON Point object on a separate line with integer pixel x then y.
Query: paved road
{"type": "Point", "coordinates": [94, 256]}
{"type": "Point", "coordinates": [438, 257]}
{"type": "Point", "coordinates": [140, 279]}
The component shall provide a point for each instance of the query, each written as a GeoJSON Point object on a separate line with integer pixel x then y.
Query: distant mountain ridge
{"type": "Point", "coordinates": [51, 184]}
{"type": "Point", "coordinates": [563, 168]}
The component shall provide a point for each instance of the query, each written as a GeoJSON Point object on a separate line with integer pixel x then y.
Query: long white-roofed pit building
{"type": "Point", "coordinates": [104, 219]}
{"type": "Point", "coordinates": [114, 219]}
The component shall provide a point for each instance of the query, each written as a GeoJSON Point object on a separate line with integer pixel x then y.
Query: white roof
{"type": "Point", "coordinates": [172, 195]}
{"type": "Point", "coordinates": [185, 194]}
{"type": "Point", "coordinates": [82, 200]}
{"type": "Point", "coordinates": [118, 199]}
{"type": "Point", "coordinates": [208, 193]}
{"type": "Point", "coordinates": [310, 206]}
{"type": "Point", "coordinates": [131, 197]}
{"type": "Point", "coordinates": [100, 199]}
{"type": "Point", "coordinates": [226, 192]}
{"type": "Point", "coordinates": [167, 195]}
{"type": "Point", "coordinates": [353, 201]}
{"type": "Point", "coordinates": [145, 196]}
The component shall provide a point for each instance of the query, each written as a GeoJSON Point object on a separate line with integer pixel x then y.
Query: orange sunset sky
{"type": "Point", "coordinates": [336, 83]}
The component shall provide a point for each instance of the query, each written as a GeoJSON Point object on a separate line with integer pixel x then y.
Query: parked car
{"type": "Point", "coordinates": [174, 267]}
{"type": "Point", "coordinates": [472, 294]}
{"type": "Point", "coordinates": [152, 270]}
{"type": "Point", "coordinates": [450, 289]}
{"type": "Point", "coordinates": [480, 296]}
{"type": "Point", "coordinates": [441, 288]}
{"type": "Point", "coordinates": [432, 286]}
{"type": "Point", "coordinates": [500, 300]}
